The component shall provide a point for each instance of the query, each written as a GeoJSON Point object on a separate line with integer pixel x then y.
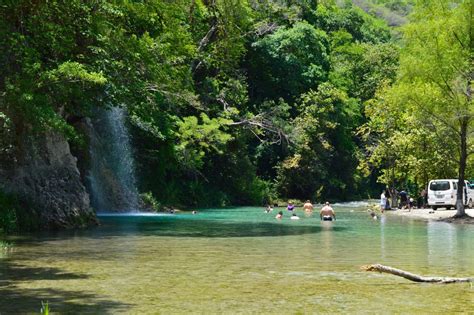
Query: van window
{"type": "Point", "coordinates": [440, 185]}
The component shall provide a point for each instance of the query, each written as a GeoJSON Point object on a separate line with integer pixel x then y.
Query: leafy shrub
{"type": "Point", "coordinates": [149, 202]}
{"type": "Point", "coordinates": [8, 213]}
{"type": "Point", "coordinates": [4, 245]}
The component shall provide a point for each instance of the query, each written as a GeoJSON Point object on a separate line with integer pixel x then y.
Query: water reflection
{"type": "Point", "coordinates": [442, 244]}
{"type": "Point", "coordinates": [327, 240]}
{"type": "Point", "coordinates": [383, 220]}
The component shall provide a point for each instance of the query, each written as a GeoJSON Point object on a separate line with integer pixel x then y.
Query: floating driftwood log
{"type": "Point", "coordinates": [412, 276]}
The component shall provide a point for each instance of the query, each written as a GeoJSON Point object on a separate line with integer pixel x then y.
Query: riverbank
{"type": "Point", "coordinates": [438, 215]}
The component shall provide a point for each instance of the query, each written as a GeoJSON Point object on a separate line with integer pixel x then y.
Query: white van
{"type": "Point", "coordinates": [442, 193]}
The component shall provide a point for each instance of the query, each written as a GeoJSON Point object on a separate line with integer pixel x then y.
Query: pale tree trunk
{"type": "Point", "coordinates": [465, 122]}
{"type": "Point", "coordinates": [393, 197]}
{"type": "Point", "coordinates": [460, 211]}
{"type": "Point", "coordinates": [393, 191]}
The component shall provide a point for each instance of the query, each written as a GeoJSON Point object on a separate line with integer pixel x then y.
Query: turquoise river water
{"type": "Point", "coordinates": [239, 260]}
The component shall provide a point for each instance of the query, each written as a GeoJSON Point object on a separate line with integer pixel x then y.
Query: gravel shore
{"type": "Point", "coordinates": [438, 215]}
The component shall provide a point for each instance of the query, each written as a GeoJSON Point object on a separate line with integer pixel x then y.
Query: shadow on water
{"type": "Point", "coordinates": [15, 300]}
{"type": "Point", "coordinates": [172, 227]}
{"type": "Point", "coordinates": [17, 272]}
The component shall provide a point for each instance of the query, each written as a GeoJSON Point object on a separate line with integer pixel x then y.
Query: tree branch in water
{"type": "Point", "coordinates": [412, 276]}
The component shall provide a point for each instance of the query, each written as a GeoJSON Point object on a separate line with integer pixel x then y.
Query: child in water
{"type": "Point", "coordinates": [373, 215]}
{"type": "Point", "coordinates": [279, 215]}
{"type": "Point", "coordinates": [269, 209]}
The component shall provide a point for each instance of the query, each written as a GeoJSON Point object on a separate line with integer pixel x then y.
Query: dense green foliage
{"type": "Point", "coordinates": [422, 127]}
{"type": "Point", "coordinates": [230, 101]}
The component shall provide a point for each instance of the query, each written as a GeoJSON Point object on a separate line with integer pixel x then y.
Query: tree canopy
{"type": "Point", "coordinates": [242, 101]}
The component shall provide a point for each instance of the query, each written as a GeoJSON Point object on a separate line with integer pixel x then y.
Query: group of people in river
{"type": "Point", "coordinates": [326, 213]}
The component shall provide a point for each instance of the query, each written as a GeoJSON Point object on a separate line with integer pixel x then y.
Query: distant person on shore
{"type": "Point", "coordinates": [383, 201]}
{"type": "Point", "coordinates": [424, 198]}
{"type": "Point", "coordinates": [294, 217]}
{"type": "Point", "coordinates": [411, 203]}
{"type": "Point", "coordinates": [290, 206]}
{"type": "Point", "coordinates": [403, 199]}
{"type": "Point", "coordinates": [327, 213]}
{"type": "Point", "coordinates": [279, 215]}
{"type": "Point", "coordinates": [308, 206]}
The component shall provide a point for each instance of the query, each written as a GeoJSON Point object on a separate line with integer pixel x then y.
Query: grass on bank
{"type": "Point", "coordinates": [44, 308]}
{"type": "Point", "coordinates": [4, 245]}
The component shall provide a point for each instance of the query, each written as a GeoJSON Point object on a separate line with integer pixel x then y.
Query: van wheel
{"type": "Point", "coordinates": [470, 204]}
{"type": "Point", "coordinates": [434, 207]}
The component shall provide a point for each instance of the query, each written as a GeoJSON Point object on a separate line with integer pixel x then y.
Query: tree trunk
{"type": "Point", "coordinates": [393, 197]}
{"type": "Point", "coordinates": [393, 191]}
{"type": "Point", "coordinates": [412, 276]}
{"type": "Point", "coordinates": [465, 121]}
{"type": "Point", "coordinates": [460, 212]}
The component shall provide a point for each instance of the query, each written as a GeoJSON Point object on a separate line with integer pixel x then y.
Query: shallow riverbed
{"type": "Point", "coordinates": [239, 260]}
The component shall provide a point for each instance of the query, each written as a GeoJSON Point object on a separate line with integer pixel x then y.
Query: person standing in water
{"type": "Point", "coordinates": [383, 201]}
{"type": "Point", "coordinates": [308, 206]}
{"type": "Point", "coordinates": [290, 206]}
{"type": "Point", "coordinates": [327, 213]}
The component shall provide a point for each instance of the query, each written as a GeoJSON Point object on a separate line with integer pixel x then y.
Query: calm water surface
{"type": "Point", "coordinates": [239, 260]}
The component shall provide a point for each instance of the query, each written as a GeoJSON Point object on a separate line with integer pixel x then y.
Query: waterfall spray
{"type": "Point", "coordinates": [112, 180]}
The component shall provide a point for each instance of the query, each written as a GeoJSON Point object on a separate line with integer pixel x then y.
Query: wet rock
{"type": "Point", "coordinates": [48, 184]}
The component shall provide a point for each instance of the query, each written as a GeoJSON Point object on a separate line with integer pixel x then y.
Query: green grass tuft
{"type": "Point", "coordinates": [44, 308]}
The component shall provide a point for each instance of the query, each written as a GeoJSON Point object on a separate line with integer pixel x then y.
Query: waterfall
{"type": "Point", "coordinates": [111, 179]}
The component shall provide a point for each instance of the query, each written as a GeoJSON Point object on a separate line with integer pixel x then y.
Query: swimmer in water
{"type": "Point", "coordinates": [373, 215]}
{"type": "Point", "coordinates": [327, 213]}
{"type": "Point", "coordinates": [294, 217]}
{"type": "Point", "coordinates": [279, 215]}
{"type": "Point", "coordinates": [269, 209]}
{"type": "Point", "coordinates": [308, 206]}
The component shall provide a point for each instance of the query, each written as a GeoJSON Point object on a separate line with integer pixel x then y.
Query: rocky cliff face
{"type": "Point", "coordinates": [47, 181]}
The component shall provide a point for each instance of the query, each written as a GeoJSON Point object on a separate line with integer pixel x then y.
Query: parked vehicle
{"type": "Point", "coordinates": [442, 193]}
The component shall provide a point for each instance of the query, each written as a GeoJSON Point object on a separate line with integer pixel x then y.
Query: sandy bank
{"type": "Point", "coordinates": [429, 214]}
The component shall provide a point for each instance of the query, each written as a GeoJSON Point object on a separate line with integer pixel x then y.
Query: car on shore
{"type": "Point", "coordinates": [442, 193]}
